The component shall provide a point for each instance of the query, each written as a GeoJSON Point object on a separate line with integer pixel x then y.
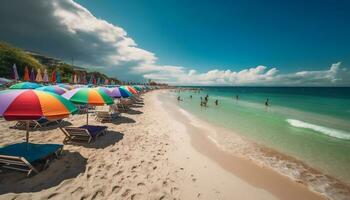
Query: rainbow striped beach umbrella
{"type": "Point", "coordinates": [88, 96]}
{"type": "Point", "coordinates": [138, 88]}
{"type": "Point", "coordinates": [25, 85]}
{"type": "Point", "coordinates": [130, 89]}
{"type": "Point", "coordinates": [123, 92]}
{"type": "Point", "coordinates": [65, 86]}
{"type": "Point", "coordinates": [26, 105]}
{"type": "Point", "coordinates": [53, 88]}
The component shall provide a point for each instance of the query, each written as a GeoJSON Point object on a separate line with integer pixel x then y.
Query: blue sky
{"type": "Point", "coordinates": [246, 42]}
{"type": "Point", "coordinates": [291, 35]}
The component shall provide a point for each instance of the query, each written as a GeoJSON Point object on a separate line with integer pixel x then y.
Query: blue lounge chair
{"type": "Point", "coordinates": [25, 156]}
{"type": "Point", "coordinates": [86, 133]}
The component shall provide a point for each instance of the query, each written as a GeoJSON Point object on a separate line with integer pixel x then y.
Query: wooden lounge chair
{"type": "Point", "coordinates": [86, 133]}
{"type": "Point", "coordinates": [103, 116]}
{"type": "Point", "coordinates": [34, 124]}
{"type": "Point", "coordinates": [27, 156]}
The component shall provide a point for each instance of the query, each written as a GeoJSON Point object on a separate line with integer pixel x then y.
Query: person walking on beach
{"type": "Point", "coordinates": [216, 102]}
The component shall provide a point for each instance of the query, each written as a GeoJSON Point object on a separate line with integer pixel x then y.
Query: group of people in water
{"type": "Point", "coordinates": [204, 103]}
{"type": "Point", "coordinates": [205, 100]}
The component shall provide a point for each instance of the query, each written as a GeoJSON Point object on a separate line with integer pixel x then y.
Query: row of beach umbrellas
{"type": "Point", "coordinates": [31, 101]}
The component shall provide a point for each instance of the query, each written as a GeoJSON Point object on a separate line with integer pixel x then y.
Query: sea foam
{"type": "Point", "coordinates": [321, 129]}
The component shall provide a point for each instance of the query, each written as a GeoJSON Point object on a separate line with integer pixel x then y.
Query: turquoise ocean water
{"type": "Point", "coordinates": [310, 124]}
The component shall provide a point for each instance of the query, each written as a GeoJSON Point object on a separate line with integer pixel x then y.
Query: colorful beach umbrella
{"type": "Point", "coordinates": [58, 77]}
{"type": "Point", "coordinates": [54, 89]}
{"type": "Point", "coordinates": [15, 73]}
{"type": "Point", "coordinates": [66, 86]}
{"type": "Point", "coordinates": [25, 85]}
{"type": "Point", "coordinates": [110, 91]}
{"type": "Point", "coordinates": [138, 88]}
{"type": "Point", "coordinates": [32, 75]}
{"type": "Point", "coordinates": [123, 92]}
{"type": "Point", "coordinates": [130, 89]}
{"type": "Point", "coordinates": [5, 81]}
{"type": "Point", "coordinates": [39, 78]}
{"type": "Point", "coordinates": [26, 105]}
{"type": "Point", "coordinates": [46, 76]}
{"type": "Point", "coordinates": [53, 76]}
{"type": "Point", "coordinates": [26, 74]}
{"type": "Point", "coordinates": [88, 96]}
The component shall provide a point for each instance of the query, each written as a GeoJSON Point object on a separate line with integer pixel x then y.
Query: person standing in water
{"type": "Point", "coordinates": [191, 96]}
{"type": "Point", "coordinates": [216, 102]}
{"type": "Point", "coordinates": [267, 102]}
{"type": "Point", "coordinates": [237, 97]}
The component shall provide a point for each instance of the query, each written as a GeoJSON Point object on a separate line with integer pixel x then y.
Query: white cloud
{"type": "Point", "coordinates": [259, 75]}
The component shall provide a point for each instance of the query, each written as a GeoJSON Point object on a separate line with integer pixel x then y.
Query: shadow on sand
{"type": "Point", "coordinates": [48, 127]}
{"type": "Point", "coordinates": [68, 166]}
{"type": "Point", "coordinates": [122, 120]}
{"type": "Point", "coordinates": [110, 138]}
{"type": "Point", "coordinates": [134, 112]}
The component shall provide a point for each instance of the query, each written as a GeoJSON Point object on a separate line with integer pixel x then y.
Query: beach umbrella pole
{"type": "Point", "coordinates": [87, 115]}
{"type": "Point", "coordinates": [27, 131]}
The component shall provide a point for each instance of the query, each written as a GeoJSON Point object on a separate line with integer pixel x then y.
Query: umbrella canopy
{"type": "Point", "coordinates": [33, 105]}
{"type": "Point", "coordinates": [53, 88]}
{"type": "Point", "coordinates": [138, 88]}
{"type": "Point", "coordinates": [58, 77]}
{"type": "Point", "coordinates": [5, 81]}
{"type": "Point", "coordinates": [46, 76]}
{"type": "Point", "coordinates": [88, 96]}
{"type": "Point", "coordinates": [32, 75]}
{"type": "Point", "coordinates": [53, 76]}
{"type": "Point", "coordinates": [130, 89]}
{"type": "Point", "coordinates": [123, 92]}
{"type": "Point", "coordinates": [25, 85]}
{"type": "Point", "coordinates": [26, 74]}
{"type": "Point", "coordinates": [112, 92]}
{"type": "Point", "coordinates": [66, 86]}
{"type": "Point", "coordinates": [15, 73]}
{"type": "Point", "coordinates": [39, 78]}
{"type": "Point", "coordinates": [105, 90]}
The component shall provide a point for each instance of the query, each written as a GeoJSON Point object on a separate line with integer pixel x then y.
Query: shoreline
{"type": "Point", "coordinates": [151, 152]}
{"type": "Point", "coordinates": [218, 153]}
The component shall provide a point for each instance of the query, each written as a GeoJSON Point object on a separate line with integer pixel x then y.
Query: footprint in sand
{"type": "Point", "coordinates": [126, 192]}
{"type": "Point", "coordinates": [174, 191]}
{"type": "Point", "coordinates": [116, 188]}
{"type": "Point", "coordinates": [98, 195]}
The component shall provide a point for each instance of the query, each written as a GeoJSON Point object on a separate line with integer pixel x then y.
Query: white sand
{"type": "Point", "coordinates": [147, 154]}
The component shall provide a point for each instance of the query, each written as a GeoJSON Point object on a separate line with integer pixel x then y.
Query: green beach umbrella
{"type": "Point", "coordinates": [88, 96]}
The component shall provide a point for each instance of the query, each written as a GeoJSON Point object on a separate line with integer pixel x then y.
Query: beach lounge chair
{"type": "Point", "coordinates": [42, 122]}
{"type": "Point", "coordinates": [103, 116]}
{"type": "Point", "coordinates": [86, 133]}
{"type": "Point", "coordinates": [27, 156]}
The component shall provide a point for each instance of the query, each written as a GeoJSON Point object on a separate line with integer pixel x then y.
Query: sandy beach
{"type": "Point", "coordinates": [151, 152]}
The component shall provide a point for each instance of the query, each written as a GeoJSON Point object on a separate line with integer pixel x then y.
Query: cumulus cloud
{"type": "Point", "coordinates": [260, 75]}
{"type": "Point", "coordinates": [66, 30]}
